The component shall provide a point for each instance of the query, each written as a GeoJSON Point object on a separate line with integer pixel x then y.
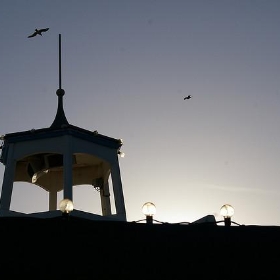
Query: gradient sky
{"type": "Point", "coordinates": [126, 67]}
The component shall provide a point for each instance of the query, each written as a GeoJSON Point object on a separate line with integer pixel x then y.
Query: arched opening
{"type": "Point", "coordinates": [28, 198]}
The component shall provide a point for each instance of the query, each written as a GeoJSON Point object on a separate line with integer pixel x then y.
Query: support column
{"type": "Point", "coordinates": [52, 201]}
{"type": "Point", "coordinates": [105, 198]}
{"type": "Point", "coordinates": [8, 180]}
{"type": "Point", "coordinates": [117, 187]}
{"type": "Point", "coordinates": [67, 168]}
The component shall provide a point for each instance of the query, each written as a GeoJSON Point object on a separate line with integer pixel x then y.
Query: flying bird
{"type": "Point", "coordinates": [188, 97]}
{"type": "Point", "coordinates": [38, 32]}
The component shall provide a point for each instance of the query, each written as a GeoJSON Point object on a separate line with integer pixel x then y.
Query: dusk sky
{"type": "Point", "coordinates": [126, 67]}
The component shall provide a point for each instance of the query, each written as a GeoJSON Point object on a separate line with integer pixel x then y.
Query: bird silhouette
{"type": "Point", "coordinates": [188, 97]}
{"type": "Point", "coordinates": [38, 32]}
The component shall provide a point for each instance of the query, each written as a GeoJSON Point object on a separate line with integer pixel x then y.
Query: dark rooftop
{"type": "Point", "coordinates": [85, 249]}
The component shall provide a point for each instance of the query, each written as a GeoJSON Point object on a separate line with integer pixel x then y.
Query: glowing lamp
{"type": "Point", "coordinates": [227, 212]}
{"type": "Point", "coordinates": [122, 154]}
{"type": "Point", "coordinates": [66, 206]}
{"type": "Point", "coordinates": [149, 210]}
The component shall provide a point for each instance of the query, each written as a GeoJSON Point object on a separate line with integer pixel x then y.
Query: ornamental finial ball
{"type": "Point", "coordinates": [60, 92]}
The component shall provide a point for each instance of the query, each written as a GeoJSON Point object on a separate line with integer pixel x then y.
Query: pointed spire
{"type": "Point", "coordinates": [60, 118]}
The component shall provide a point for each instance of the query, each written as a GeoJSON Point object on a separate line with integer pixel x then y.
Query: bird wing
{"type": "Point", "coordinates": [32, 35]}
{"type": "Point", "coordinates": [43, 29]}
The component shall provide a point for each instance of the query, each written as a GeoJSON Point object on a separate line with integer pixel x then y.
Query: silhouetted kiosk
{"type": "Point", "coordinates": [60, 157]}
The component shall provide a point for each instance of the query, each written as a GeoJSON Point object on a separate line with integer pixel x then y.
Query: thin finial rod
{"type": "Point", "coordinates": [59, 61]}
{"type": "Point", "coordinates": [60, 118]}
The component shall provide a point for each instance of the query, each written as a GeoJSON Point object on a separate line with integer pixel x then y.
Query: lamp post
{"type": "Point", "coordinates": [149, 209]}
{"type": "Point", "coordinates": [227, 212]}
